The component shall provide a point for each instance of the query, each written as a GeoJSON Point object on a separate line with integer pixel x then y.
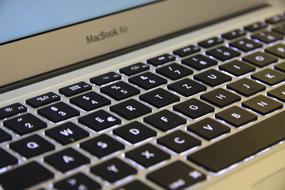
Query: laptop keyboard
{"type": "Point", "coordinates": [183, 111]}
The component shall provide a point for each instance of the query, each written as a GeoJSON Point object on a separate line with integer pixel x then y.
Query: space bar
{"type": "Point", "coordinates": [241, 145]}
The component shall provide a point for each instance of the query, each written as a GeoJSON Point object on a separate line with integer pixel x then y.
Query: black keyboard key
{"type": "Point", "coordinates": [26, 176]}
{"type": "Point", "coordinates": [246, 45]}
{"type": "Point", "coordinates": [67, 133]}
{"type": "Point", "coordinates": [236, 116]}
{"type": "Point", "coordinates": [208, 128]}
{"type": "Point", "coordinates": [75, 89]}
{"type": "Point", "coordinates": [234, 34]}
{"type": "Point", "coordinates": [134, 132]}
{"type": "Point", "coordinates": [43, 99]}
{"type": "Point", "coordinates": [220, 97]}
{"type": "Point", "coordinates": [246, 87]}
{"type": "Point", "coordinates": [193, 108]}
{"type": "Point", "coordinates": [269, 76]}
{"type": "Point", "coordinates": [6, 159]}
{"type": "Point", "coordinates": [32, 146]}
{"type": "Point", "coordinates": [120, 90]}
{"type": "Point", "coordinates": [130, 109]}
{"type": "Point", "coordinates": [11, 110]}
{"type": "Point", "coordinates": [162, 59]}
{"type": "Point", "coordinates": [277, 50]}
{"type": "Point", "coordinates": [211, 42]}
{"type": "Point", "coordinates": [58, 112]}
{"type": "Point", "coordinates": [135, 185]}
{"type": "Point", "coordinates": [134, 69]}
{"type": "Point", "coordinates": [239, 146]}
{"type": "Point", "coordinates": [280, 67]}
{"type": "Point", "coordinates": [102, 145]}
{"type": "Point", "coordinates": [237, 67]}
{"type": "Point", "coordinates": [260, 59]}
{"type": "Point", "coordinates": [99, 120]}
{"type": "Point", "coordinates": [186, 51]}
{"type": "Point", "coordinates": [279, 29]}
{"type": "Point", "coordinates": [147, 155]}
{"type": "Point", "coordinates": [147, 80]}
{"type": "Point", "coordinates": [275, 19]}
{"type": "Point", "coordinates": [187, 87]}
{"type": "Point", "coordinates": [255, 26]}
{"type": "Point", "coordinates": [267, 36]}
{"type": "Point", "coordinates": [159, 98]}
{"type": "Point", "coordinates": [4, 136]}
{"type": "Point", "coordinates": [78, 181]}
{"type": "Point", "coordinates": [179, 176]}
{"type": "Point", "coordinates": [262, 104]}
{"type": "Point", "coordinates": [164, 120]}
{"type": "Point", "coordinates": [174, 71]}
{"type": "Point", "coordinates": [223, 53]}
{"type": "Point", "coordinates": [179, 141]}
{"type": "Point", "coordinates": [278, 93]}
{"type": "Point", "coordinates": [113, 170]}
{"type": "Point", "coordinates": [90, 101]}
{"type": "Point", "coordinates": [212, 77]}
{"type": "Point", "coordinates": [105, 78]}
{"type": "Point", "coordinates": [199, 62]}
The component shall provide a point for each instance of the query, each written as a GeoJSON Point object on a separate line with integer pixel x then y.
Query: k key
{"type": "Point", "coordinates": [269, 76]}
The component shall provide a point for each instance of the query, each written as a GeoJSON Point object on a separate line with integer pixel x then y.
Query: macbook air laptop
{"type": "Point", "coordinates": [142, 94]}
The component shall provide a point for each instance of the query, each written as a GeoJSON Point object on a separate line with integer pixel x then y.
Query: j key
{"type": "Point", "coordinates": [279, 29]}
{"type": "Point", "coordinates": [174, 180]}
{"type": "Point", "coordinates": [275, 19]}
{"type": "Point", "coordinates": [246, 45]}
{"type": "Point", "coordinates": [43, 100]}
{"type": "Point", "coordinates": [90, 101]}
{"type": "Point", "coordinates": [99, 120]}
{"type": "Point", "coordinates": [113, 170]}
{"type": "Point", "coordinates": [105, 78]}
{"type": "Point", "coordinates": [269, 76]}
{"type": "Point", "coordinates": [246, 87]}
{"type": "Point", "coordinates": [4, 136]}
{"type": "Point", "coordinates": [193, 108]}
{"type": "Point", "coordinates": [187, 87]}
{"type": "Point", "coordinates": [220, 97]}
{"type": "Point", "coordinates": [234, 34]}
{"type": "Point", "coordinates": [134, 132]}
{"type": "Point", "coordinates": [277, 50]}
{"type": "Point", "coordinates": [278, 93]}
{"type": "Point", "coordinates": [179, 141]}
{"type": "Point", "coordinates": [237, 67]}
{"type": "Point", "coordinates": [134, 69]}
{"type": "Point", "coordinates": [211, 42]}
{"type": "Point", "coordinates": [164, 120]}
{"type": "Point", "coordinates": [267, 36]}
{"type": "Point", "coordinates": [162, 59]}
{"type": "Point", "coordinates": [136, 184]}
{"type": "Point", "coordinates": [11, 110]}
{"type": "Point", "coordinates": [174, 71]}
{"type": "Point", "coordinates": [186, 51]}
{"type": "Point", "coordinates": [255, 26]}
{"type": "Point", "coordinates": [27, 176]}
{"type": "Point", "coordinates": [199, 62]}
{"type": "Point", "coordinates": [120, 90]}
{"type": "Point", "coordinates": [102, 145]}
{"type": "Point", "coordinates": [260, 59]}
{"type": "Point", "coordinates": [239, 146]}
{"type": "Point", "coordinates": [262, 104]}
{"type": "Point", "coordinates": [280, 67]}
{"type": "Point", "coordinates": [66, 160]}
{"type": "Point", "coordinates": [78, 181]}
{"type": "Point", "coordinates": [223, 53]}
{"type": "Point", "coordinates": [147, 155]}
{"type": "Point", "coordinates": [67, 133]}
{"type": "Point", "coordinates": [159, 98]}
{"type": "Point", "coordinates": [212, 77]}
{"type": "Point", "coordinates": [208, 128]}
{"type": "Point", "coordinates": [236, 116]}
{"type": "Point", "coordinates": [32, 146]}
{"type": "Point", "coordinates": [147, 80]}
{"type": "Point", "coordinates": [25, 124]}
{"type": "Point", "coordinates": [130, 109]}
{"type": "Point", "coordinates": [75, 89]}
{"type": "Point", "coordinates": [6, 159]}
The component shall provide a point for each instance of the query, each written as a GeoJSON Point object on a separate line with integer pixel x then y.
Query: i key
{"type": "Point", "coordinates": [237, 67]}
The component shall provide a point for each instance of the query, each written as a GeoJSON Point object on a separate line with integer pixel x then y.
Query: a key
{"type": "Point", "coordinates": [246, 87]}
{"type": "Point", "coordinates": [164, 120]}
{"type": "Point", "coordinates": [105, 78]}
{"type": "Point", "coordinates": [208, 128]}
{"type": "Point", "coordinates": [260, 59]}
{"type": "Point", "coordinates": [275, 19]}
{"type": "Point", "coordinates": [199, 62]}
{"type": "Point", "coordinates": [130, 109]}
{"type": "Point", "coordinates": [245, 45]}
{"type": "Point", "coordinates": [255, 26]}
{"type": "Point", "coordinates": [4, 136]}
{"type": "Point", "coordinates": [175, 180]}
{"type": "Point", "coordinates": [75, 89]}
{"type": "Point", "coordinates": [262, 104]}
{"type": "Point", "coordinates": [136, 184]}
{"type": "Point", "coordinates": [11, 110]}
{"type": "Point", "coordinates": [159, 98]}
{"type": "Point", "coordinates": [134, 132]}
{"type": "Point", "coordinates": [280, 67]}
{"type": "Point", "coordinates": [277, 50]}
{"type": "Point", "coordinates": [6, 159]}
{"type": "Point", "coordinates": [102, 145]}
{"type": "Point", "coordinates": [186, 51]}
{"type": "Point", "coordinates": [212, 77]}
{"type": "Point", "coordinates": [269, 76]}
{"type": "Point", "coordinates": [134, 69]}
{"type": "Point", "coordinates": [237, 67]}
{"type": "Point", "coordinates": [267, 36]}
{"type": "Point", "coordinates": [113, 170]}
{"type": "Point", "coordinates": [211, 42]}
{"type": "Point", "coordinates": [174, 71]}
{"type": "Point", "coordinates": [236, 116]}
{"type": "Point", "coordinates": [66, 160]}
{"type": "Point", "coordinates": [43, 99]}
{"type": "Point", "coordinates": [162, 59]}
{"type": "Point", "coordinates": [147, 155]}
{"type": "Point", "coordinates": [234, 34]}
{"type": "Point", "coordinates": [223, 53]}
{"type": "Point", "coordinates": [179, 141]}
{"type": "Point", "coordinates": [278, 93]}
{"type": "Point", "coordinates": [67, 133]}
{"type": "Point", "coordinates": [147, 80]}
